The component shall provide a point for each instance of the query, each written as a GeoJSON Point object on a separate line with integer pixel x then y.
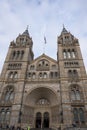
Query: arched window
{"type": "Point", "coordinates": [5, 115]}
{"type": "Point", "coordinates": [40, 75]}
{"type": "Point", "coordinates": [81, 115]}
{"type": "Point", "coordinates": [11, 95]}
{"type": "Point", "coordinates": [78, 115]}
{"type": "Point", "coordinates": [64, 54]}
{"type": "Point", "coordinates": [2, 116]}
{"type": "Point", "coordinates": [13, 55]}
{"type": "Point", "coordinates": [78, 95]}
{"type": "Point", "coordinates": [73, 96]}
{"type": "Point", "coordinates": [75, 112]}
{"type": "Point", "coordinates": [43, 65]}
{"type": "Point", "coordinates": [43, 101]}
{"type": "Point", "coordinates": [10, 75]}
{"type": "Point", "coordinates": [15, 75]}
{"type": "Point", "coordinates": [70, 73]}
{"type": "Point", "coordinates": [29, 75]}
{"type": "Point", "coordinates": [75, 73]}
{"type": "Point", "coordinates": [22, 54]}
{"type": "Point", "coordinates": [45, 75]}
{"type": "Point", "coordinates": [32, 67]}
{"type": "Point", "coordinates": [75, 93]}
{"type": "Point", "coordinates": [33, 75]}
{"type": "Point", "coordinates": [69, 54]}
{"type": "Point", "coordinates": [7, 96]}
{"type": "Point", "coordinates": [7, 118]}
{"type": "Point", "coordinates": [73, 53]}
{"type": "Point", "coordinates": [17, 54]}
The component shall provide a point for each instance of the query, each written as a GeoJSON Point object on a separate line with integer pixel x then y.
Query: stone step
{"type": "Point", "coordinates": [76, 128]}
{"type": "Point", "coordinates": [40, 129]}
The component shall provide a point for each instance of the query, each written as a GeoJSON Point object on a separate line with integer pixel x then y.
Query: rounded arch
{"type": "Point", "coordinates": [38, 119]}
{"type": "Point", "coordinates": [43, 64]}
{"type": "Point", "coordinates": [77, 86]}
{"type": "Point", "coordinates": [8, 93]}
{"type": "Point", "coordinates": [41, 92]}
{"type": "Point", "coordinates": [9, 87]}
{"type": "Point", "coordinates": [46, 120]}
{"type": "Point", "coordinates": [76, 92]}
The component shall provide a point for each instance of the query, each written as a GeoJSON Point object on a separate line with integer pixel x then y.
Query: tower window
{"type": "Point", "coordinates": [2, 115]}
{"type": "Point", "coordinates": [78, 115]}
{"type": "Point", "coordinates": [13, 55]}
{"type": "Point", "coordinates": [10, 75]}
{"type": "Point", "coordinates": [21, 54]}
{"type": "Point", "coordinates": [72, 73]}
{"type": "Point", "coordinates": [64, 54]}
{"type": "Point", "coordinates": [69, 54]}
{"type": "Point", "coordinates": [9, 95]}
{"type": "Point", "coordinates": [15, 75]}
{"type": "Point", "coordinates": [5, 115]}
{"type": "Point", "coordinates": [73, 54]}
{"type": "Point", "coordinates": [75, 93]}
{"type": "Point", "coordinates": [17, 54]}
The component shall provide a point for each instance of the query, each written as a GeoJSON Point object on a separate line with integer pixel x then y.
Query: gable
{"type": "Point", "coordinates": [43, 63]}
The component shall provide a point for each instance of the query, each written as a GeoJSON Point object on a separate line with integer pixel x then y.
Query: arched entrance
{"type": "Point", "coordinates": [46, 120]}
{"type": "Point", "coordinates": [42, 121]}
{"type": "Point", "coordinates": [38, 120]}
{"type": "Point", "coordinates": [41, 107]}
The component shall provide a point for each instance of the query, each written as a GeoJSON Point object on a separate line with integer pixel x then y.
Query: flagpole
{"type": "Point", "coordinates": [43, 48]}
{"type": "Point", "coordinates": [44, 44]}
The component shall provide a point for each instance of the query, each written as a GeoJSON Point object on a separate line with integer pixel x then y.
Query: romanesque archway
{"type": "Point", "coordinates": [41, 106]}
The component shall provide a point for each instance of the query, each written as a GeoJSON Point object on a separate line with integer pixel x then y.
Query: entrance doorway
{"type": "Point", "coordinates": [38, 120]}
{"type": "Point", "coordinates": [46, 120]}
{"type": "Point", "coordinates": [42, 123]}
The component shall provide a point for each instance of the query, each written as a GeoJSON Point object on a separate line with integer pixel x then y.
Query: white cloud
{"type": "Point", "coordinates": [45, 16]}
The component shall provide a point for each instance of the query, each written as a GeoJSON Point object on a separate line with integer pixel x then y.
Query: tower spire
{"type": "Point", "coordinates": [63, 26]}
{"type": "Point", "coordinates": [26, 31]}
{"type": "Point", "coordinates": [27, 27]}
{"type": "Point", "coordinates": [64, 29]}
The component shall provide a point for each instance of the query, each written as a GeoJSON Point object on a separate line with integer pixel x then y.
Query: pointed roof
{"type": "Point", "coordinates": [64, 30]}
{"type": "Point", "coordinates": [26, 32]}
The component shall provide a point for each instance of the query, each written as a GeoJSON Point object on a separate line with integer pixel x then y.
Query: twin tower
{"type": "Point", "coordinates": [43, 92]}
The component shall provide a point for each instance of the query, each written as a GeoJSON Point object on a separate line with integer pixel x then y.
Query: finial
{"type": "Point", "coordinates": [26, 31]}
{"type": "Point", "coordinates": [27, 27]}
{"type": "Point", "coordinates": [63, 26]}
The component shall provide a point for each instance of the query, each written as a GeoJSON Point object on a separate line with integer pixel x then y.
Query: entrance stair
{"type": "Point", "coordinates": [40, 129]}
{"type": "Point", "coordinates": [76, 128]}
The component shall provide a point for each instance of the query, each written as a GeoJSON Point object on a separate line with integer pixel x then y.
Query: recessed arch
{"type": "Point", "coordinates": [38, 93]}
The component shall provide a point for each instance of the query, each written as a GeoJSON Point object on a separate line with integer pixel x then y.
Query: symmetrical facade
{"type": "Point", "coordinates": [43, 92]}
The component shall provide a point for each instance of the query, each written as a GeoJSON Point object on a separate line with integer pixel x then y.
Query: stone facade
{"type": "Point", "coordinates": [43, 92]}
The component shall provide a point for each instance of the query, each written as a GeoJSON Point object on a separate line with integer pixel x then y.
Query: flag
{"type": "Point", "coordinates": [45, 40]}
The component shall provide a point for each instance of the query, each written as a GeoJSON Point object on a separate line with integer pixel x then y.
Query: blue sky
{"type": "Point", "coordinates": [44, 17]}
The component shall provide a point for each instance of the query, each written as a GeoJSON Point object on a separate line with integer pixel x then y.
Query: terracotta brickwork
{"type": "Point", "coordinates": [43, 92]}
